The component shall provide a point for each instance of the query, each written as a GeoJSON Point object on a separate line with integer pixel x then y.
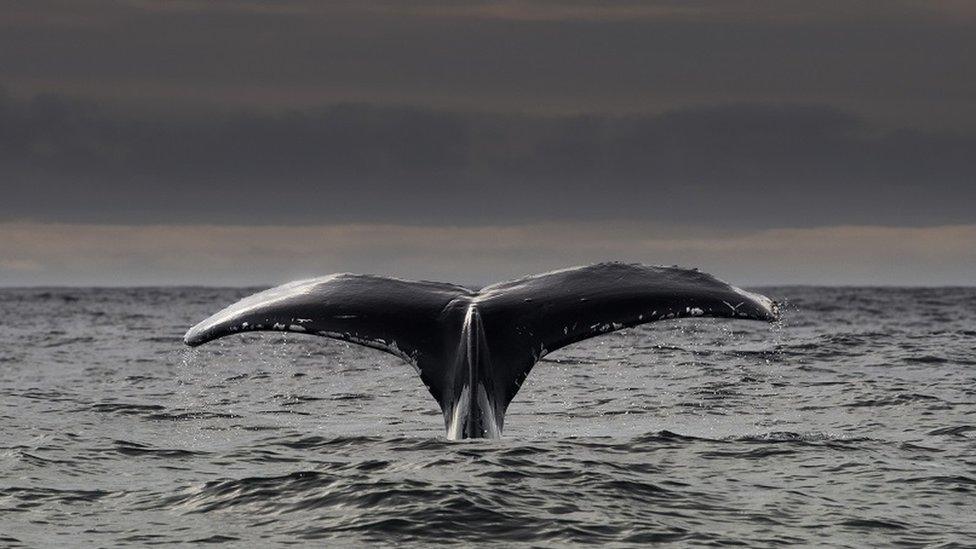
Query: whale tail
{"type": "Point", "coordinates": [474, 349]}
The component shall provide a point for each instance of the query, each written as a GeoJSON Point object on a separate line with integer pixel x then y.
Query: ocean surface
{"type": "Point", "coordinates": [850, 423]}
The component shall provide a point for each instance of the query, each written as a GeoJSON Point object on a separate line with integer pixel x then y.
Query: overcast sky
{"type": "Point", "coordinates": [246, 142]}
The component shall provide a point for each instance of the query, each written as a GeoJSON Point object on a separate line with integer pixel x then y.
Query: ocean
{"type": "Point", "coordinates": [850, 423]}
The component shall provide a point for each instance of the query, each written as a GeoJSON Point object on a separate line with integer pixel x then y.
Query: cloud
{"type": "Point", "coordinates": [54, 254]}
{"type": "Point", "coordinates": [799, 11]}
{"type": "Point", "coordinates": [903, 62]}
{"type": "Point", "coordinates": [698, 119]}
{"type": "Point", "coordinates": [731, 165]}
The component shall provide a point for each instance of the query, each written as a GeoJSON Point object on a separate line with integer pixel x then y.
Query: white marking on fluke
{"type": "Point", "coordinates": [459, 415]}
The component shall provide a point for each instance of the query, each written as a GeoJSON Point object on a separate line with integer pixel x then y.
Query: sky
{"type": "Point", "coordinates": [241, 142]}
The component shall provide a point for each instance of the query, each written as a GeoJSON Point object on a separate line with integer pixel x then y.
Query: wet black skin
{"type": "Point", "coordinates": [474, 349]}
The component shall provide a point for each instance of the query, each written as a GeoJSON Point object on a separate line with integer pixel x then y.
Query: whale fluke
{"type": "Point", "coordinates": [474, 349]}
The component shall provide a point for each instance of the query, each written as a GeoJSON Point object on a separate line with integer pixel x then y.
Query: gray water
{"type": "Point", "coordinates": [851, 423]}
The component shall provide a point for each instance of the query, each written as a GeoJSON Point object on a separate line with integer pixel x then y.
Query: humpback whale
{"type": "Point", "coordinates": [474, 348]}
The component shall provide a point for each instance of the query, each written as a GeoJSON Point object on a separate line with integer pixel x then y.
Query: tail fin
{"type": "Point", "coordinates": [528, 318]}
{"type": "Point", "coordinates": [400, 317]}
{"type": "Point", "coordinates": [474, 350]}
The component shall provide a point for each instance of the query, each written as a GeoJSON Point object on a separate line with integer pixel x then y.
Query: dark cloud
{"type": "Point", "coordinates": [449, 137]}
{"type": "Point", "coordinates": [738, 114]}
{"type": "Point", "coordinates": [900, 62]}
{"type": "Point", "coordinates": [735, 165]}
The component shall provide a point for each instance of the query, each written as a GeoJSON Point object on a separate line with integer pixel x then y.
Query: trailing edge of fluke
{"type": "Point", "coordinates": [474, 348]}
